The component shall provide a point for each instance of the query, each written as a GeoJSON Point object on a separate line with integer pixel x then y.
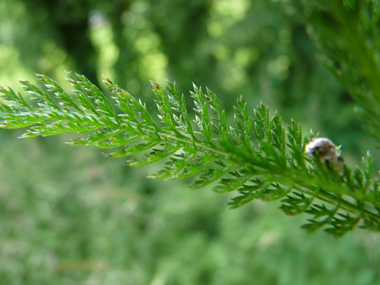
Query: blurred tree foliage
{"type": "Point", "coordinates": [113, 227]}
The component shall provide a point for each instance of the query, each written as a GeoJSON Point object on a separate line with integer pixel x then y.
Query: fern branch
{"type": "Point", "coordinates": [256, 156]}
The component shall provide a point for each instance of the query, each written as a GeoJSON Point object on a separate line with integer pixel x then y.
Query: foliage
{"type": "Point", "coordinates": [71, 216]}
{"type": "Point", "coordinates": [347, 33]}
{"type": "Point", "coordinates": [255, 156]}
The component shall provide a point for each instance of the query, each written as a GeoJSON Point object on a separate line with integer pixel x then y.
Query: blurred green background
{"type": "Point", "coordinates": [71, 216]}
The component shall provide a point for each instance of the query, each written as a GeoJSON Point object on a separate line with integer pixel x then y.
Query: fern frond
{"type": "Point", "coordinates": [257, 156]}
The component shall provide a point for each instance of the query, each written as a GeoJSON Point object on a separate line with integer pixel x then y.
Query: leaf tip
{"type": "Point", "coordinates": [107, 154]}
{"type": "Point", "coordinates": [24, 136]}
{"type": "Point", "coordinates": [107, 79]}
{"type": "Point", "coordinates": [155, 85]}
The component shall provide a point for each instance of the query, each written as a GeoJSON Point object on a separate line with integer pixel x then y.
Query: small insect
{"type": "Point", "coordinates": [326, 150]}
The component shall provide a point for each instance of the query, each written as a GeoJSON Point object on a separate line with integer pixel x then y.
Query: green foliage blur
{"type": "Point", "coordinates": [71, 216]}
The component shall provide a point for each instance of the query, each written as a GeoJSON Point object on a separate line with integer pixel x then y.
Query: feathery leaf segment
{"type": "Point", "coordinates": [256, 156]}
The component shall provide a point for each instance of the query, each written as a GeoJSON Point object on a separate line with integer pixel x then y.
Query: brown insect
{"type": "Point", "coordinates": [326, 150]}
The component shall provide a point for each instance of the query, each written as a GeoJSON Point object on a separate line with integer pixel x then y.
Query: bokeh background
{"type": "Point", "coordinates": [68, 215]}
